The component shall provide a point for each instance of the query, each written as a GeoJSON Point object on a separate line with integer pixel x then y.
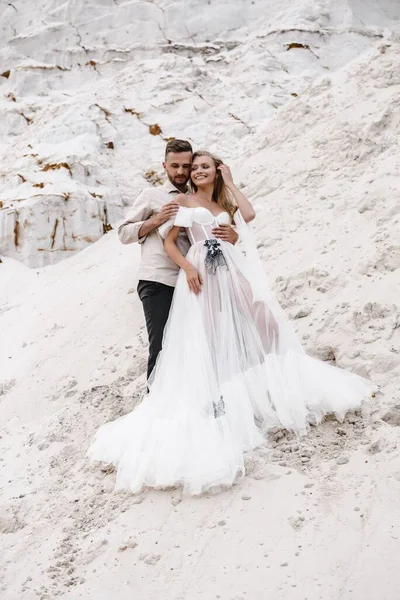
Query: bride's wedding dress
{"type": "Point", "coordinates": [230, 359]}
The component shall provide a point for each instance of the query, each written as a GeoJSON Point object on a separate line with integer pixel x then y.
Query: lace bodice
{"type": "Point", "coordinates": [198, 222]}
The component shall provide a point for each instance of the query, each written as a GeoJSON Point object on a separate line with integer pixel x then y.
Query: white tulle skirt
{"type": "Point", "coordinates": [229, 370]}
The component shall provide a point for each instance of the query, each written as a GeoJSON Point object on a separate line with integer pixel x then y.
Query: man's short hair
{"type": "Point", "coordinates": [178, 146]}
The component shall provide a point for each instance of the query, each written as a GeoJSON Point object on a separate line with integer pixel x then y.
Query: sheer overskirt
{"type": "Point", "coordinates": [230, 359]}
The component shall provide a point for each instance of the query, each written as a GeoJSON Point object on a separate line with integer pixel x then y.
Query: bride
{"type": "Point", "coordinates": [231, 366]}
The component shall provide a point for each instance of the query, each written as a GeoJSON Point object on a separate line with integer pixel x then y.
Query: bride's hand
{"type": "Point", "coordinates": [226, 174]}
{"type": "Point", "coordinates": [194, 280]}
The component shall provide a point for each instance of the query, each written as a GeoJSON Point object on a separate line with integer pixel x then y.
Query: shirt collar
{"type": "Point", "coordinates": [170, 188]}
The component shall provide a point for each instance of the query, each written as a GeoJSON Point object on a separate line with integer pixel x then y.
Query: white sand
{"type": "Point", "coordinates": [316, 519]}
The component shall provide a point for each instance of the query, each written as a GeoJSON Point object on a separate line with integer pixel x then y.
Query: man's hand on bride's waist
{"type": "Point", "coordinates": [226, 233]}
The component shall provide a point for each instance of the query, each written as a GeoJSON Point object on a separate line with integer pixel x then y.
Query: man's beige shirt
{"type": "Point", "coordinates": [155, 265]}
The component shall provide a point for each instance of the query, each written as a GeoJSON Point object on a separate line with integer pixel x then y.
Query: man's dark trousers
{"type": "Point", "coordinates": [156, 299]}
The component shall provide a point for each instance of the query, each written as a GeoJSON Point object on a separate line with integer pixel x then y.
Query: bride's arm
{"type": "Point", "coordinates": [192, 275]}
{"type": "Point", "coordinates": [244, 205]}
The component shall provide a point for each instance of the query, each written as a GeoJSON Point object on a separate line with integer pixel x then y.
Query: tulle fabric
{"type": "Point", "coordinates": [231, 368]}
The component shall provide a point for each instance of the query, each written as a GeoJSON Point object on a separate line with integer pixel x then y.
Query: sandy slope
{"type": "Point", "coordinates": [300, 525]}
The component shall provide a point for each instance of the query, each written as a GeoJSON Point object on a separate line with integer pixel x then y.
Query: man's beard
{"type": "Point", "coordinates": [179, 183]}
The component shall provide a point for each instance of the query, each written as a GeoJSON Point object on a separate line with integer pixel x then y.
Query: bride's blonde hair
{"type": "Point", "coordinates": [221, 194]}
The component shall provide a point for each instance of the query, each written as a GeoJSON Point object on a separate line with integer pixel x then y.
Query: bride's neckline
{"type": "Point", "coordinates": [209, 211]}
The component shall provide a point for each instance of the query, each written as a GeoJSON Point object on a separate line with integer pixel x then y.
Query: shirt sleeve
{"type": "Point", "coordinates": [141, 210]}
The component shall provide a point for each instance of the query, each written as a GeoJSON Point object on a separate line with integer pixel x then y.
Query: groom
{"type": "Point", "coordinates": [158, 273]}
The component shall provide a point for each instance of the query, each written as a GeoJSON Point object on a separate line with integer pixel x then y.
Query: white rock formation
{"type": "Point", "coordinates": [82, 84]}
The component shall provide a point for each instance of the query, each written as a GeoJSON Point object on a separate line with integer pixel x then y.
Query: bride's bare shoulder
{"type": "Point", "coordinates": [182, 199]}
{"type": "Point", "coordinates": [188, 200]}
